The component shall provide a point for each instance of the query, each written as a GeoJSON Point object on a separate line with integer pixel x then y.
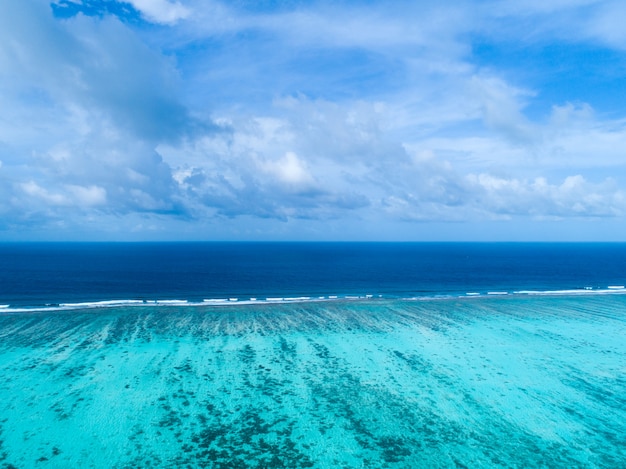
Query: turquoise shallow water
{"type": "Point", "coordinates": [477, 382]}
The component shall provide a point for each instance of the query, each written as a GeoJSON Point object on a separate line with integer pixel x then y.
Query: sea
{"type": "Point", "coordinates": [312, 355]}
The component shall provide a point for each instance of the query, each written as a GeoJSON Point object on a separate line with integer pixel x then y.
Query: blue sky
{"type": "Point", "coordinates": [312, 120]}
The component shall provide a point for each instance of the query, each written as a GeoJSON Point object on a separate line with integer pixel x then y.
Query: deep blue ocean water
{"type": "Point", "coordinates": [35, 274]}
{"type": "Point", "coordinates": [419, 356]}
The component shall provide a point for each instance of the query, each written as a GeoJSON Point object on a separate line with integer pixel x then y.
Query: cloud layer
{"type": "Point", "coordinates": [199, 119]}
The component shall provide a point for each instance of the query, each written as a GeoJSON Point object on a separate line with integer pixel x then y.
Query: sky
{"type": "Point", "coordinates": [464, 120]}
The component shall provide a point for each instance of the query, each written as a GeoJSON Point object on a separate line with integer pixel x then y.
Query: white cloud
{"type": "Point", "coordinates": [32, 189]}
{"type": "Point", "coordinates": [161, 11]}
{"type": "Point", "coordinates": [607, 24]}
{"type": "Point", "coordinates": [533, 7]}
{"type": "Point", "coordinates": [88, 196]}
{"type": "Point", "coordinates": [88, 65]}
{"type": "Point", "coordinates": [574, 196]}
{"type": "Point", "coordinates": [336, 25]}
{"type": "Point", "coordinates": [67, 195]}
{"type": "Point", "coordinates": [501, 107]}
{"type": "Point", "coordinates": [338, 160]}
{"type": "Point", "coordinates": [574, 21]}
{"type": "Point", "coordinates": [290, 170]}
{"type": "Point", "coordinates": [326, 112]}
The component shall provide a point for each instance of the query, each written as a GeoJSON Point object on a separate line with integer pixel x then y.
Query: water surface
{"type": "Point", "coordinates": [516, 381]}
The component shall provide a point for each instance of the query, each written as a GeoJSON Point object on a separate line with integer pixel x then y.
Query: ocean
{"type": "Point", "coordinates": [322, 355]}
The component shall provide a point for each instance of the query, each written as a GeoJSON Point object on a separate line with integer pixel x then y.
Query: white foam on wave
{"type": "Point", "coordinates": [171, 302]}
{"type": "Point", "coordinates": [100, 304]}
{"type": "Point", "coordinates": [161, 303]}
{"type": "Point", "coordinates": [49, 308]}
{"type": "Point", "coordinates": [268, 300]}
{"type": "Point", "coordinates": [574, 291]}
{"type": "Point", "coordinates": [7, 308]}
{"type": "Point", "coordinates": [431, 298]}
